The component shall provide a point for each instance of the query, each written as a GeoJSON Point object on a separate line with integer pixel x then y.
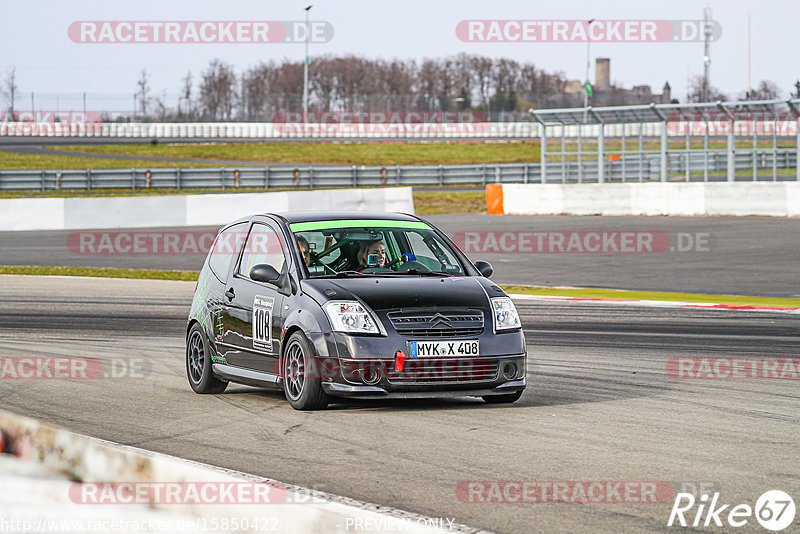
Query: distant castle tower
{"type": "Point", "coordinates": [666, 94]}
{"type": "Point", "coordinates": [602, 74]}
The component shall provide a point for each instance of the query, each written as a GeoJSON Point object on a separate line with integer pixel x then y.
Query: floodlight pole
{"type": "Point", "coordinates": [588, 63]}
{"type": "Point", "coordinates": [305, 72]}
{"type": "Point", "coordinates": [707, 32]}
{"type": "Point", "coordinates": [749, 86]}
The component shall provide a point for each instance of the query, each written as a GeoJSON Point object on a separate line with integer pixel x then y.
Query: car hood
{"type": "Point", "coordinates": [382, 293]}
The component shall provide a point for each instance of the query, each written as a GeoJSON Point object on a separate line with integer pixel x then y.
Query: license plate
{"type": "Point", "coordinates": [428, 349]}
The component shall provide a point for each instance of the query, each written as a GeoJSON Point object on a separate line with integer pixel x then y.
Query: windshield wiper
{"type": "Point", "coordinates": [421, 273]}
{"type": "Point", "coordinates": [345, 274]}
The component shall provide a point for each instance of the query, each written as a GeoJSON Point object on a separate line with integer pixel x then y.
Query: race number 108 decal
{"type": "Point", "coordinates": [262, 322]}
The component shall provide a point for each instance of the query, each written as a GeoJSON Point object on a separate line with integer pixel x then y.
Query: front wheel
{"type": "Point", "coordinates": [301, 378]}
{"type": "Point", "coordinates": [198, 363]}
{"type": "Point", "coordinates": [502, 399]}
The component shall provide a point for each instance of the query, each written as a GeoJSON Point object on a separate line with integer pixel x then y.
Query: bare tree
{"type": "Point", "coordinates": [766, 90]}
{"type": "Point", "coordinates": [143, 90]}
{"type": "Point", "coordinates": [427, 85]}
{"type": "Point", "coordinates": [505, 73]}
{"type": "Point", "coordinates": [161, 106]}
{"type": "Point", "coordinates": [11, 89]}
{"type": "Point", "coordinates": [186, 95]}
{"type": "Point", "coordinates": [257, 99]}
{"type": "Point", "coordinates": [446, 84]}
{"type": "Point", "coordinates": [323, 83]}
{"type": "Point", "coordinates": [218, 91]}
{"type": "Point", "coordinates": [696, 90]}
{"type": "Point", "coordinates": [401, 82]}
{"type": "Point", "coordinates": [352, 83]}
{"type": "Point", "coordinates": [462, 72]}
{"type": "Point", "coordinates": [482, 74]}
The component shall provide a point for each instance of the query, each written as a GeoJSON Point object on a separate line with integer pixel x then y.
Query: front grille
{"type": "Point", "coordinates": [426, 324]}
{"type": "Point", "coordinates": [440, 370]}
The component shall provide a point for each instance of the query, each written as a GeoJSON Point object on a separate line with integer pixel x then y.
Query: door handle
{"type": "Point", "coordinates": [230, 294]}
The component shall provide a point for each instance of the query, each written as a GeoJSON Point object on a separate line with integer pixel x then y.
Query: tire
{"type": "Point", "coordinates": [502, 399]}
{"type": "Point", "coordinates": [198, 363]}
{"type": "Point", "coordinates": [301, 381]}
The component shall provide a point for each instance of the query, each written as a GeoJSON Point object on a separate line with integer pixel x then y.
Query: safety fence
{"type": "Point", "coordinates": [733, 141]}
{"type": "Point", "coordinates": [687, 165]}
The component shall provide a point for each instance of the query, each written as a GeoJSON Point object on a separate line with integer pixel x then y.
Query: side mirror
{"type": "Point", "coordinates": [264, 273]}
{"type": "Point", "coordinates": [484, 267]}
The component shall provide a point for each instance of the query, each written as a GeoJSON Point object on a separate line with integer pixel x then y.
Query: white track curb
{"type": "Point", "coordinates": [93, 460]}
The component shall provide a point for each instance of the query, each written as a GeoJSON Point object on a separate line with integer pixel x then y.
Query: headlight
{"type": "Point", "coordinates": [505, 314]}
{"type": "Point", "coordinates": [350, 316]}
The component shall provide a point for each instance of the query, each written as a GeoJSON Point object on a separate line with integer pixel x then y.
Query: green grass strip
{"type": "Point", "coordinates": [97, 272]}
{"type": "Point", "coordinates": [333, 153]}
{"type": "Point", "coordinates": [24, 161]}
{"type": "Point", "coordinates": [736, 300]}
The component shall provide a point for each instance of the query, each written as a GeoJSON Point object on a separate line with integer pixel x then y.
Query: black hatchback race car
{"type": "Point", "coordinates": [351, 304]}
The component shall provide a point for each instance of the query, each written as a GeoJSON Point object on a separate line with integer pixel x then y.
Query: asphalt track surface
{"type": "Point", "coordinates": [599, 407]}
{"type": "Point", "coordinates": [744, 256]}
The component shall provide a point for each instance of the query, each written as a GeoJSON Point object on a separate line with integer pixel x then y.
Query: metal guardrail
{"type": "Point", "coordinates": [697, 165]}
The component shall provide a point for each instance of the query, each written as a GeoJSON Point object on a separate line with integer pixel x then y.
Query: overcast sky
{"type": "Point", "coordinates": [35, 40]}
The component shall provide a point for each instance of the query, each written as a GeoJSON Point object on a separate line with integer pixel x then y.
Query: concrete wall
{"type": "Point", "coordinates": [188, 210]}
{"type": "Point", "coordinates": [776, 199]}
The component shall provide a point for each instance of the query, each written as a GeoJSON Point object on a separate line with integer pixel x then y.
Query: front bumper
{"type": "Point", "coordinates": [441, 390]}
{"type": "Point", "coordinates": [364, 367]}
{"type": "Point", "coordinates": [426, 377]}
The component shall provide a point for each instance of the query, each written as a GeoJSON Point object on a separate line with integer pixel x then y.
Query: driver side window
{"type": "Point", "coordinates": [432, 253]}
{"type": "Point", "coordinates": [422, 250]}
{"type": "Point", "coordinates": [264, 245]}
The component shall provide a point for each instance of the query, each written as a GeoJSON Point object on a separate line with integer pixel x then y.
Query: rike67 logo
{"type": "Point", "coordinates": [774, 510]}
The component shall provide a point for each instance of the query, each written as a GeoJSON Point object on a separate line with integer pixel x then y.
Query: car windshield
{"type": "Point", "coordinates": [374, 248]}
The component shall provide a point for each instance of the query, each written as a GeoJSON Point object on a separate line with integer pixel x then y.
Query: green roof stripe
{"type": "Point", "coordinates": [356, 223]}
